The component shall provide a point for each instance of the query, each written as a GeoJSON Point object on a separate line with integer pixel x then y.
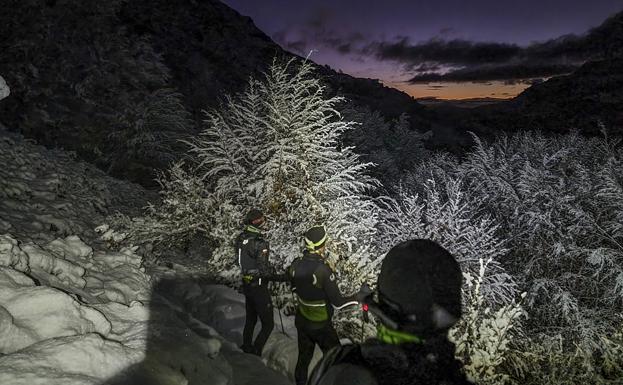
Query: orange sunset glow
{"type": "Point", "coordinates": [456, 91]}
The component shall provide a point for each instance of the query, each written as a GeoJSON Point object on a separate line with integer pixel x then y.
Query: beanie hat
{"type": "Point", "coordinates": [315, 238]}
{"type": "Point", "coordinates": [254, 217]}
{"type": "Point", "coordinates": [420, 287]}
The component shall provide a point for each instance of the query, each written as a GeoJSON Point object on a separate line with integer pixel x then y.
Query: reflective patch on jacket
{"type": "Point", "coordinates": [315, 311]}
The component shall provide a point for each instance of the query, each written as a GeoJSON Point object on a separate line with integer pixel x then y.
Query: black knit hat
{"type": "Point", "coordinates": [254, 218]}
{"type": "Point", "coordinates": [420, 287]}
{"type": "Point", "coordinates": [315, 238]}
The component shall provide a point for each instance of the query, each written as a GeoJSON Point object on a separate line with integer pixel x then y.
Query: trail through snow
{"type": "Point", "coordinates": [75, 309]}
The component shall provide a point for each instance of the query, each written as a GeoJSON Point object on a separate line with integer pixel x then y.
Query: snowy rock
{"type": "Point", "coordinates": [124, 257]}
{"type": "Point", "coordinates": [30, 314]}
{"type": "Point", "coordinates": [11, 255]}
{"type": "Point", "coordinates": [71, 247]}
{"type": "Point", "coordinates": [66, 271]}
{"type": "Point", "coordinates": [4, 89]}
{"type": "Point", "coordinates": [213, 347]}
{"type": "Point", "coordinates": [10, 278]}
{"type": "Point", "coordinates": [78, 360]}
{"type": "Point", "coordinates": [129, 323]}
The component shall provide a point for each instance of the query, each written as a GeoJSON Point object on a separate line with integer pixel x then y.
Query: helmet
{"type": "Point", "coordinates": [254, 218]}
{"type": "Point", "coordinates": [419, 287]}
{"type": "Point", "coordinates": [315, 238]}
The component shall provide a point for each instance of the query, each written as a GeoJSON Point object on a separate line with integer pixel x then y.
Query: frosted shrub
{"type": "Point", "coordinates": [391, 145]}
{"type": "Point", "coordinates": [183, 211]}
{"type": "Point", "coordinates": [484, 336]}
{"type": "Point", "coordinates": [560, 202]}
{"type": "Point", "coordinates": [557, 203]}
{"type": "Point", "coordinates": [445, 214]}
{"type": "Point", "coordinates": [612, 364]}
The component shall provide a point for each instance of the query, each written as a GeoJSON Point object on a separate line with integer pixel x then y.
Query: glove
{"type": "Point", "coordinates": [364, 294]}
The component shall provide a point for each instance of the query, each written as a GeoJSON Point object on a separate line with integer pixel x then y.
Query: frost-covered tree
{"type": "Point", "coordinates": [275, 147]}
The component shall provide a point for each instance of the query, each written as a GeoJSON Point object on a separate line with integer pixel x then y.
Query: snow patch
{"type": "Point", "coordinates": [78, 360]}
{"type": "Point", "coordinates": [4, 89]}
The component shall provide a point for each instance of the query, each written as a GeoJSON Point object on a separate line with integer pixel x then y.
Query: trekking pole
{"type": "Point", "coordinates": [362, 297]}
{"type": "Point", "coordinates": [283, 330]}
{"type": "Point", "coordinates": [364, 319]}
{"type": "Point", "coordinates": [281, 320]}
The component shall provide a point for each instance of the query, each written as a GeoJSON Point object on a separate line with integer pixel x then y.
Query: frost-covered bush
{"type": "Point", "coordinates": [560, 201]}
{"type": "Point", "coordinates": [546, 359]}
{"type": "Point", "coordinates": [558, 204]}
{"type": "Point", "coordinates": [392, 146]}
{"type": "Point", "coordinates": [485, 336]}
{"type": "Point", "coordinates": [447, 215]}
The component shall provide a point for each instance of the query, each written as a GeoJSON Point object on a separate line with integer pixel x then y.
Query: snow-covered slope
{"type": "Point", "coordinates": [76, 309]}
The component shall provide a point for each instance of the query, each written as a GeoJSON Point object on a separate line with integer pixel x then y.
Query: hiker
{"type": "Point", "coordinates": [419, 299]}
{"type": "Point", "coordinates": [252, 255]}
{"type": "Point", "coordinates": [314, 283]}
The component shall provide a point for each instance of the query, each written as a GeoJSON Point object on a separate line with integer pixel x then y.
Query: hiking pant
{"type": "Point", "coordinates": [257, 304]}
{"type": "Point", "coordinates": [309, 335]}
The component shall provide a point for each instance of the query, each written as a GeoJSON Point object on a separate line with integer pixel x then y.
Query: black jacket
{"type": "Point", "coordinates": [377, 363]}
{"type": "Point", "coordinates": [252, 253]}
{"type": "Point", "coordinates": [315, 285]}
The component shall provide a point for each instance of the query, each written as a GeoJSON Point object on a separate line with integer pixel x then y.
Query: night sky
{"type": "Point", "coordinates": [449, 49]}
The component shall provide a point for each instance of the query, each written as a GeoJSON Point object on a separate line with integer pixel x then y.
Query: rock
{"type": "Point", "coordinates": [31, 314]}
{"type": "Point", "coordinates": [11, 255]}
{"type": "Point", "coordinates": [71, 247]}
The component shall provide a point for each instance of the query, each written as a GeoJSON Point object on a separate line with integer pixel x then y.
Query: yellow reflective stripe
{"type": "Point", "coordinates": [312, 245]}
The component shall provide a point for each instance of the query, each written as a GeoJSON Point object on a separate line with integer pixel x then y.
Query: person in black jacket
{"type": "Point", "coordinates": [252, 256]}
{"type": "Point", "coordinates": [314, 283]}
{"type": "Point", "coordinates": [419, 299]}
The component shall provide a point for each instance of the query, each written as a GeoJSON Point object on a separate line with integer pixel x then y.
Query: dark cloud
{"type": "Point", "coordinates": [320, 18]}
{"type": "Point", "coordinates": [465, 61]}
{"type": "Point", "coordinates": [427, 67]}
{"type": "Point", "coordinates": [511, 74]}
{"type": "Point", "coordinates": [319, 31]}
{"type": "Point", "coordinates": [456, 60]}
{"type": "Point", "coordinates": [456, 52]}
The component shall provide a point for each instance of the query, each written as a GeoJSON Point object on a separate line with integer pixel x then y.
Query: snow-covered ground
{"type": "Point", "coordinates": [75, 309]}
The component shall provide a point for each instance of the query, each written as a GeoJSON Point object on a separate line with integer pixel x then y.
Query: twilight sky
{"type": "Point", "coordinates": [449, 49]}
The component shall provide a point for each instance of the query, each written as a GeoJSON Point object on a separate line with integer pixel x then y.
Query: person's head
{"type": "Point", "coordinates": [315, 239]}
{"type": "Point", "coordinates": [419, 287]}
{"type": "Point", "coordinates": [255, 218]}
